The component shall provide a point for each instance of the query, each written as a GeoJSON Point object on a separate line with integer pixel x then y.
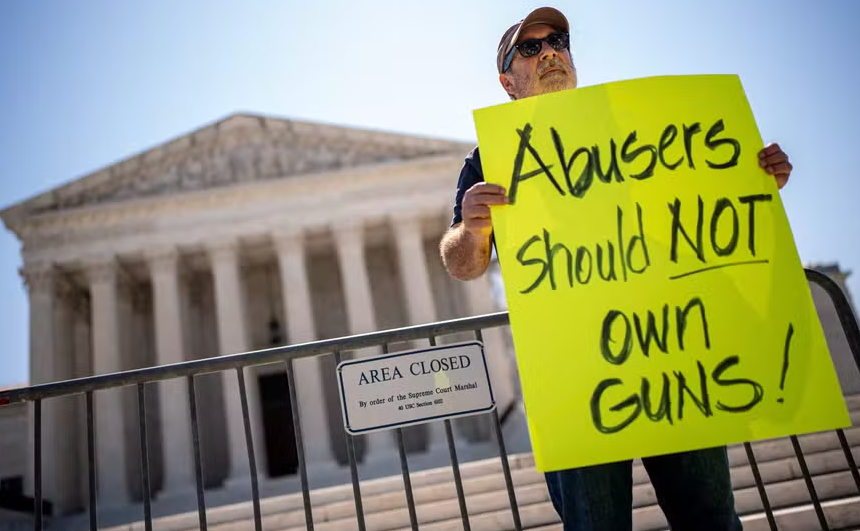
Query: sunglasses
{"type": "Point", "coordinates": [532, 47]}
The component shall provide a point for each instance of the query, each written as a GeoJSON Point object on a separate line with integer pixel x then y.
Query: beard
{"type": "Point", "coordinates": [553, 82]}
{"type": "Point", "coordinates": [562, 78]}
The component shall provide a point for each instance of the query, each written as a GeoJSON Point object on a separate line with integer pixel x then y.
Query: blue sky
{"type": "Point", "coordinates": [87, 83]}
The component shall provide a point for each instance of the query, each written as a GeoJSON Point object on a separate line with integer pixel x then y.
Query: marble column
{"type": "Point", "coordinates": [83, 368]}
{"type": "Point", "coordinates": [413, 270]}
{"type": "Point", "coordinates": [41, 282]}
{"type": "Point", "coordinates": [415, 278]}
{"type": "Point", "coordinates": [65, 409]}
{"type": "Point", "coordinates": [108, 404]}
{"type": "Point", "coordinates": [169, 349]}
{"type": "Point", "coordinates": [361, 316]}
{"type": "Point", "coordinates": [360, 313]}
{"type": "Point", "coordinates": [310, 392]}
{"type": "Point", "coordinates": [480, 301]}
{"type": "Point", "coordinates": [233, 339]}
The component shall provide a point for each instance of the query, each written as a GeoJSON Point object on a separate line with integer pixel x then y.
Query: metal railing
{"type": "Point", "coordinates": [190, 370]}
{"type": "Point", "coordinates": [238, 362]}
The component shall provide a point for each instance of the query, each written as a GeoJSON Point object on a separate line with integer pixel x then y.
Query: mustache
{"type": "Point", "coordinates": [554, 62]}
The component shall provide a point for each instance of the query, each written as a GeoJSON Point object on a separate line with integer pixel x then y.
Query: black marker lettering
{"type": "Point", "coordinates": [613, 163]}
{"type": "Point", "coordinates": [681, 321]}
{"type": "Point", "coordinates": [666, 140]}
{"type": "Point", "coordinates": [532, 261]}
{"type": "Point", "coordinates": [751, 200]}
{"type": "Point", "coordinates": [581, 253]}
{"type": "Point", "coordinates": [610, 258]}
{"type": "Point", "coordinates": [704, 404]}
{"type": "Point", "coordinates": [518, 176]}
{"type": "Point", "coordinates": [620, 218]}
{"type": "Point", "coordinates": [606, 338]}
{"type": "Point", "coordinates": [757, 389]}
{"type": "Point", "coordinates": [688, 138]}
{"type": "Point", "coordinates": [722, 204]}
{"type": "Point", "coordinates": [585, 177]}
{"type": "Point", "coordinates": [597, 417]}
{"type": "Point", "coordinates": [665, 408]}
{"type": "Point", "coordinates": [652, 334]}
{"type": "Point", "coordinates": [678, 227]}
{"type": "Point", "coordinates": [712, 144]}
{"type": "Point", "coordinates": [629, 158]}
{"type": "Point", "coordinates": [550, 258]}
{"type": "Point", "coordinates": [640, 238]}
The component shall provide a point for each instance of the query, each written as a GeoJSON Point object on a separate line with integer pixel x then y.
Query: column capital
{"type": "Point", "coordinates": [347, 231]}
{"type": "Point", "coordinates": [222, 249]}
{"type": "Point", "coordinates": [287, 239]}
{"type": "Point", "coordinates": [38, 278]}
{"type": "Point", "coordinates": [101, 270]}
{"type": "Point", "coordinates": [162, 259]}
{"type": "Point", "coordinates": [66, 290]}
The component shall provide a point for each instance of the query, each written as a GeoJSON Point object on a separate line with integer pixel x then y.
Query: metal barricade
{"type": "Point", "coordinates": [239, 362]}
{"type": "Point", "coordinates": [191, 370]}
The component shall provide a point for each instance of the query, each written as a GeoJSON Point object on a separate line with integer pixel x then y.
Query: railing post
{"type": "Point", "coordinates": [843, 310]}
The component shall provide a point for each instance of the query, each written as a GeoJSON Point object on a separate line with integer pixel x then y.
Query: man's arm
{"type": "Point", "coordinates": [465, 255]}
{"type": "Point", "coordinates": [465, 248]}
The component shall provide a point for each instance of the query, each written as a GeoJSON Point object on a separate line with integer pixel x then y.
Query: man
{"type": "Point", "coordinates": [693, 488]}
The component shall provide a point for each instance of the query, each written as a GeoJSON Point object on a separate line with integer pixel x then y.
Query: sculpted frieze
{"type": "Point", "coordinates": [233, 159]}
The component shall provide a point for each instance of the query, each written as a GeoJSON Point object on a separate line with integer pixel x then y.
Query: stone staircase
{"type": "Point", "coordinates": [438, 509]}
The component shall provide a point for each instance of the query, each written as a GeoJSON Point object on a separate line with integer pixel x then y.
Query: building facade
{"type": "Point", "coordinates": [248, 233]}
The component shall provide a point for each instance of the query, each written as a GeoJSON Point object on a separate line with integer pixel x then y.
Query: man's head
{"type": "Point", "coordinates": [534, 55]}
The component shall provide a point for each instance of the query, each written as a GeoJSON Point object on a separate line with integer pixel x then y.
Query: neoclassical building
{"type": "Point", "coordinates": [247, 233]}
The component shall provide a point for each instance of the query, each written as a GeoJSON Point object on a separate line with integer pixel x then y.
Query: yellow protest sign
{"type": "Point", "coordinates": [656, 297]}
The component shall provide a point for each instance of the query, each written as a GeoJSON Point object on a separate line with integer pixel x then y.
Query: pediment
{"type": "Point", "coordinates": [240, 149]}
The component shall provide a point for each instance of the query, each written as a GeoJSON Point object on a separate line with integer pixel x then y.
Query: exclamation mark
{"type": "Point", "coordinates": [785, 359]}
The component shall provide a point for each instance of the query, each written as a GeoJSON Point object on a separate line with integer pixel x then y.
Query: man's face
{"type": "Point", "coordinates": [548, 71]}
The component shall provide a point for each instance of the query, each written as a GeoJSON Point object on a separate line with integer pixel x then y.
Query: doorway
{"type": "Point", "coordinates": [282, 457]}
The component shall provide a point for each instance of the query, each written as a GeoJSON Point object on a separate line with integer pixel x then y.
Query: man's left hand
{"type": "Point", "coordinates": [775, 162]}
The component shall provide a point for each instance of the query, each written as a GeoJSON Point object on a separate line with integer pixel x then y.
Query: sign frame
{"type": "Point", "coordinates": [423, 420]}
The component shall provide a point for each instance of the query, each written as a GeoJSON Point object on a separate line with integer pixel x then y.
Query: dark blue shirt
{"type": "Point", "coordinates": [470, 175]}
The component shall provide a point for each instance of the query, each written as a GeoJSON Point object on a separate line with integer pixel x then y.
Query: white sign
{"type": "Point", "coordinates": [414, 387]}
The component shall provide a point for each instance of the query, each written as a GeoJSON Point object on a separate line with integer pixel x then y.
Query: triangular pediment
{"type": "Point", "coordinates": [239, 149]}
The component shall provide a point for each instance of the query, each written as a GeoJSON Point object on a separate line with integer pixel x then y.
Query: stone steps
{"type": "Point", "coordinates": [538, 511]}
{"type": "Point", "coordinates": [841, 514]}
{"type": "Point", "coordinates": [437, 507]}
{"type": "Point", "coordinates": [531, 491]}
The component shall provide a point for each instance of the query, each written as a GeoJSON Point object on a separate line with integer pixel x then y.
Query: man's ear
{"type": "Point", "coordinates": [507, 84]}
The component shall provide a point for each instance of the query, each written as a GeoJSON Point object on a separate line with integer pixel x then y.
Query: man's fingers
{"type": "Point", "coordinates": [477, 202]}
{"type": "Point", "coordinates": [487, 199]}
{"type": "Point", "coordinates": [478, 211]}
{"type": "Point", "coordinates": [487, 188]}
{"type": "Point", "coordinates": [783, 168]}
{"type": "Point", "coordinates": [769, 149]}
{"type": "Point", "coordinates": [776, 158]}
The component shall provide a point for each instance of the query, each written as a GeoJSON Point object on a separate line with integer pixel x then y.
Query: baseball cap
{"type": "Point", "coordinates": [541, 15]}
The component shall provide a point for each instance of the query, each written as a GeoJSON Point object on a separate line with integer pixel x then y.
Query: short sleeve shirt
{"type": "Point", "coordinates": [470, 174]}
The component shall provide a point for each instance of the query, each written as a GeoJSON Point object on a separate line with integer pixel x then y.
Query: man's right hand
{"type": "Point", "coordinates": [476, 207]}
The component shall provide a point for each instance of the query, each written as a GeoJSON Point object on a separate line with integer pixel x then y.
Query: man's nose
{"type": "Point", "coordinates": [547, 51]}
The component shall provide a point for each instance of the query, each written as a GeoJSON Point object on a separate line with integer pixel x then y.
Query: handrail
{"type": "Point", "coordinates": [245, 359]}
{"type": "Point", "coordinates": [843, 310]}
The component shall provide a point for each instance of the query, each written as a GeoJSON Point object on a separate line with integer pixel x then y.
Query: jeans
{"type": "Point", "coordinates": [693, 489]}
